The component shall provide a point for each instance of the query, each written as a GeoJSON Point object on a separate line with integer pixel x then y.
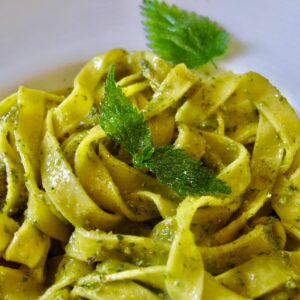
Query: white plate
{"type": "Point", "coordinates": [44, 43]}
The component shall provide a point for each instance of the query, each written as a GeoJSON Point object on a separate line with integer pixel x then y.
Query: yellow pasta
{"type": "Point", "coordinates": [78, 221]}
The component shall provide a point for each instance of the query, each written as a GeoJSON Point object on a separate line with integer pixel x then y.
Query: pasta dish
{"type": "Point", "coordinates": [79, 221]}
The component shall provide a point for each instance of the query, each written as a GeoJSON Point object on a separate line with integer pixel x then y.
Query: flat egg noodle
{"type": "Point", "coordinates": [153, 276]}
{"type": "Point", "coordinates": [286, 199]}
{"type": "Point", "coordinates": [177, 82]}
{"type": "Point", "coordinates": [68, 271]}
{"type": "Point", "coordinates": [27, 237]}
{"type": "Point", "coordinates": [179, 276]}
{"type": "Point", "coordinates": [272, 271]}
{"type": "Point", "coordinates": [16, 193]}
{"type": "Point", "coordinates": [240, 114]}
{"type": "Point", "coordinates": [261, 239]}
{"type": "Point", "coordinates": [28, 134]}
{"type": "Point", "coordinates": [71, 111]}
{"type": "Point", "coordinates": [97, 246]}
{"type": "Point", "coordinates": [97, 181]}
{"type": "Point", "coordinates": [207, 99]}
{"type": "Point", "coordinates": [98, 282]}
{"type": "Point", "coordinates": [24, 287]}
{"type": "Point", "coordinates": [129, 179]}
{"type": "Point", "coordinates": [278, 112]}
{"type": "Point", "coordinates": [236, 172]}
{"type": "Point", "coordinates": [7, 104]}
{"type": "Point", "coordinates": [265, 167]}
{"type": "Point", "coordinates": [117, 289]}
{"type": "Point", "coordinates": [64, 189]}
{"type": "Point", "coordinates": [150, 66]}
{"type": "Point", "coordinates": [185, 273]}
{"type": "Point", "coordinates": [162, 136]}
{"type": "Point", "coordinates": [8, 227]}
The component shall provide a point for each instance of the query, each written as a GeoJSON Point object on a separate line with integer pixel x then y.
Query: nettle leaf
{"type": "Point", "coordinates": [179, 36]}
{"type": "Point", "coordinates": [184, 174]}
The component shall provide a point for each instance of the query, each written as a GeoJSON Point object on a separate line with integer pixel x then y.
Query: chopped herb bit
{"type": "Point", "coordinates": [120, 237]}
{"type": "Point", "coordinates": [293, 188]}
{"type": "Point", "coordinates": [102, 277]}
{"type": "Point", "coordinates": [180, 36]}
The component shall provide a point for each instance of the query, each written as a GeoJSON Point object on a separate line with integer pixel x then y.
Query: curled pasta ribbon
{"type": "Point", "coordinates": [99, 246]}
{"type": "Point", "coordinates": [9, 227]}
{"type": "Point", "coordinates": [185, 273]}
{"type": "Point", "coordinates": [125, 247]}
{"type": "Point", "coordinates": [28, 237]}
{"type": "Point", "coordinates": [99, 184]}
{"type": "Point", "coordinates": [177, 82]}
{"type": "Point", "coordinates": [73, 109]}
{"type": "Point", "coordinates": [265, 167]}
{"type": "Point", "coordinates": [64, 189]}
{"type": "Point", "coordinates": [68, 271]}
{"type": "Point", "coordinates": [28, 135]}
{"type": "Point", "coordinates": [25, 240]}
{"type": "Point", "coordinates": [275, 108]}
{"type": "Point", "coordinates": [242, 279]}
{"type": "Point", "coordinates": [234, 169]}
{"type": "Point", "coordinates": [118, 271]}
{"type": "Point", "coordinates": [206, 100]}
{"type": "Point", "coordinates": [24, 286]}
{"type": "Point", "coordinates": [263, 238]}
{"type": "Point", "coordinates": [16, 194]}
{"type": "Point", "coordinates": [285, 198]}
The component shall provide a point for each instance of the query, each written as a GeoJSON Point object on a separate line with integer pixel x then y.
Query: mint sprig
{"type": "Point", "coordinates": [182, 37]}
{"type": "Point", "coordinates": [173, 167]}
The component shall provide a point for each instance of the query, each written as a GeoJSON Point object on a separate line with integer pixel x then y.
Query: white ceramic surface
{"type": "Point", "coordinates": [44, 42]}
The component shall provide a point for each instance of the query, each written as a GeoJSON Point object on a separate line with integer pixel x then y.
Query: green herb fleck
{"type": "Point", "coordinates": [293, 188]}
{"type": "Point", "coordinates": [120, 237]}
{"type": "Point", "coordinates": [123, 123]}
{"type": "Point", "coordinates": [179, 36]}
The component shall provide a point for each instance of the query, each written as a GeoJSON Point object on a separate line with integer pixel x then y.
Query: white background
{"type": "Point", "coordinates": [44, 42]}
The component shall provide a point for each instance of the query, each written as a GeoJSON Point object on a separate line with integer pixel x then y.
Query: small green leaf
{"type": "Point", "coordinates": [184, 174]}
{"type": "Point", "coordinates": [179, 36]}
{"type": "Point", "coordinates": [123, 123]}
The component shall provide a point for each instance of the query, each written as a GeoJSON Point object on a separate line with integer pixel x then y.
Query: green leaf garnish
{"type": "Point", "coordinates": [184, 174]}
{"type": "Point", "coordinates": [172, 166]}
{"type": "Point", "coordinates": [123, 123]}
{"type": "Point", "coordinates": [179, 36]}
